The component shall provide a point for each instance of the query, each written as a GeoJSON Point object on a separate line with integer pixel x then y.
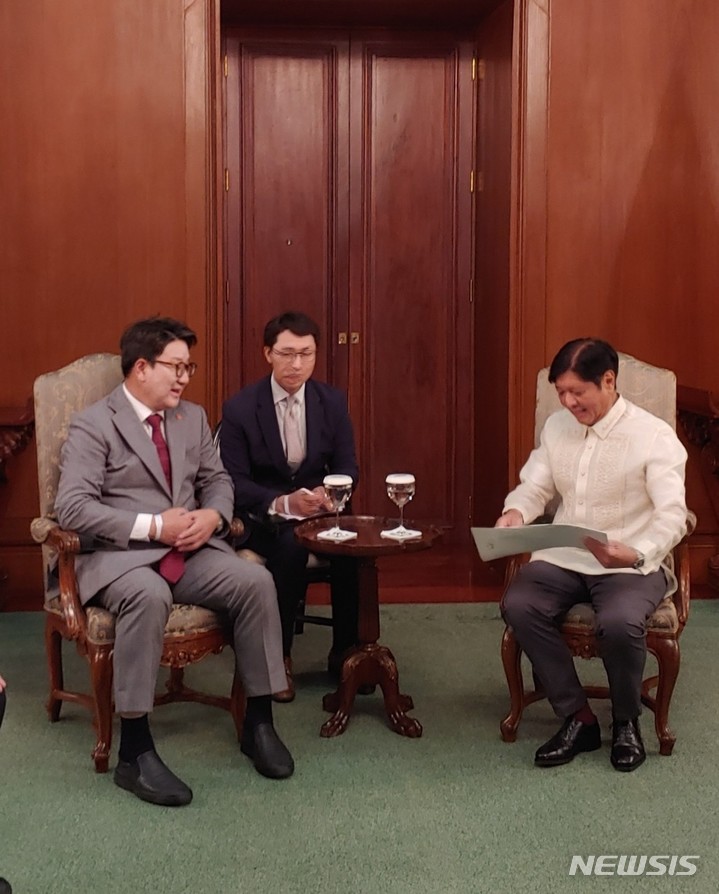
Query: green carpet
{"type": "Point", "coordinates": [455, 811]}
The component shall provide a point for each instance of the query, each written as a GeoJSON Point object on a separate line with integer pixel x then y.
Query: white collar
{"type": "Point", "coordinates": [279, 393]}
{"type": "Point", "coordinates": [141, 411]}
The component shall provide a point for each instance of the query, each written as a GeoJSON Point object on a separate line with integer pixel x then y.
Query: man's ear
{"type": "Point", "coordinates": [609, 379]}
{"type": "Point", "coordinates": [140, 368]}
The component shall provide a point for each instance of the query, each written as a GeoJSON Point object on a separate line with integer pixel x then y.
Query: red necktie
{"type": "Point", "coordinates": [172, 565]}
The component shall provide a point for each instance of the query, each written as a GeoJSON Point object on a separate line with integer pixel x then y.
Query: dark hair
{"type": "Point", "coordinates": [588, 358]}
{"type": "Point", "coordinates": [5, 886]}
{"type": "Point", "coordinates": [297, 323]}
{"type": "Point", "coordinates": [147, 339]}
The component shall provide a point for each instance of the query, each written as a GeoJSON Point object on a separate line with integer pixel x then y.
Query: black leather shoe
{"type": "Point", "coordinates": [573, 738]}
{"type": "Point", "coordinates": [149, 779]}
{"type": "Point", "coordinates": [265, 749]}
{"type": "Point", "coordinates": [627, 746]}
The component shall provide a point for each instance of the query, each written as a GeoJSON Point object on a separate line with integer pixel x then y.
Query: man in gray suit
{"type": "Point", "coordinates": [140, 478]}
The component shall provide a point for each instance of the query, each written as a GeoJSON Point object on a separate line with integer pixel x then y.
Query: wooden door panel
{"type": "Point", "coordinates": [288, 244]}
{"type": "Point", "coordinates": [353, 204]}
{"type": "Point", "coordinates": [411, 274]}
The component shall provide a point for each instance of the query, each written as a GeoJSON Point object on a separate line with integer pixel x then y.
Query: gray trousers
{"type": "Point", "coordinates": [542, 593]}
{"type": "Point", "coordinates": [142, 601]}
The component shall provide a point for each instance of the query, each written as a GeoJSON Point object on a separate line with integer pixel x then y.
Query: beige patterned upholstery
{"type": "Point", "coordinates": [653, 389]}
{"type": "Point", "coordinates": [191, 632]}
{"type": "Point", "coordinates": [57, 396]}
{"type": "Point", "coordinates": [650, 387]}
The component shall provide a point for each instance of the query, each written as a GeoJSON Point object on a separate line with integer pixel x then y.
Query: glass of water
{"type": "Point", "coordinates": [400, 489]}
{"type": "Point", "coordinates": [338, 489]}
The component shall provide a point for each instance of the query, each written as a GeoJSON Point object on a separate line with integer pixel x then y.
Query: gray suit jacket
{"type": "Point", "coordinates": [110, 471]}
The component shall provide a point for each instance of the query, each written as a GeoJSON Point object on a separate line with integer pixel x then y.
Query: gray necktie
{"type": "Point", "coordinates": [293, 442]}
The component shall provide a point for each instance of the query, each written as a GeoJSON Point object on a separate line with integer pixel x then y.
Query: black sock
{"type": "Point", "coordinates": [259, 710]}
{"type": "Point", "coordinates": [135, 737]}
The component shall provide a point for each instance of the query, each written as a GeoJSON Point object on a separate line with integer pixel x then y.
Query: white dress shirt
{"type": "Point", "coordinates": [143, 522]}
{"type": "Point", "coordinates": [279, 395]}
{"type": "Point", "coordinates": [624, 475]}
{"type": "Point", "coordinates": [279, 505]}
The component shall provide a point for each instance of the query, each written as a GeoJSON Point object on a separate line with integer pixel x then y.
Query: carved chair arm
{"type": "Point", "coordinates": [682, 595]}
{"type": "Point", "coordinates": [67, 544]}
{"type": "Point", "coordinates": [510, 571]}
{"type": "Point", "coordinates": [237, 528]}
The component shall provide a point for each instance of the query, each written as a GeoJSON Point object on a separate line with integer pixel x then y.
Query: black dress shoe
{"type": "Point", "coordinates": [265, 748]}
{"type": "Point", "coordinates": [573, 738]}
{"type": "Point", "coordinates": [149, 779]}
{"type": "Point", "coordinates": [627, 746]}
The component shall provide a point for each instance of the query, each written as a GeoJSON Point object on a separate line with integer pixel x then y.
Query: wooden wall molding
{"type": "Point", "coordinates": [528, 228]}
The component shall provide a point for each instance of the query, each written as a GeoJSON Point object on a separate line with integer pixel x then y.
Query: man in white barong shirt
{"type": "Point", "coordinates": [618, 469]}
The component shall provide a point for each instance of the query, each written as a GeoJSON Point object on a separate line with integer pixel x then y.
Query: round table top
{"type": "Point", "coordinates": [369, 541]}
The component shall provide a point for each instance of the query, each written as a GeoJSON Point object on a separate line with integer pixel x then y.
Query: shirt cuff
{"type": "Point", "coordinates": [141, 528]}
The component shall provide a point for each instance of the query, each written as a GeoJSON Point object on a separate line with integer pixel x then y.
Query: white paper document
{"type": "Point", "coordinates": [493, 543]}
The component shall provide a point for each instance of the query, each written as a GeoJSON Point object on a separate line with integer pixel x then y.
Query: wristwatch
{"type": "Point", "coordinates": [639, 563]}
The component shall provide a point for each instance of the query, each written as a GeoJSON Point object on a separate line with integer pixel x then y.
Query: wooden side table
{"type": "Point", "coordinates": [367, 663]}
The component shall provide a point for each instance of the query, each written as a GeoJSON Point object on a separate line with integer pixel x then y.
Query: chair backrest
{"type": "Point", "coordinates": [57, 396]}
{"type": "Point", "coordinates": [650, 387]}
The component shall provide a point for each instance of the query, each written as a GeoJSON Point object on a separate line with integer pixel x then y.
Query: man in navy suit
{"type": "Point", "coordinates": [280, 436]}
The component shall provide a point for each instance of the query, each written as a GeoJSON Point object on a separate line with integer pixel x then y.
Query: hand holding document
{"type": "Point", "coordinates": [494, 543]}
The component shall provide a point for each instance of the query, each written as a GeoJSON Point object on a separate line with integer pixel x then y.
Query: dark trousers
{"type": "Point", "coordinates": [287, 561]}
{"type": "Point", "coordinates": [3, 701]}
{"type": "Point", "coordinates": [534, 605]}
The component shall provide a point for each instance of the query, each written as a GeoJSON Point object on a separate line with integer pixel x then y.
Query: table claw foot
{"type": "Point", "coordinates": [336, 725]}
{"type": "Point", "coordinates": [405, 702]}
{"type": "Point", "coordinates": [404, 725]}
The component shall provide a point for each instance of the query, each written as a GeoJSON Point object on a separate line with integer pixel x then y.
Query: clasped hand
{"type": "Point", "coordinates": [188, 530]}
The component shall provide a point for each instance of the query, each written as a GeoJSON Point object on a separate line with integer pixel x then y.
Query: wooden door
{"type": "Point", "coordinates": [349, 159]}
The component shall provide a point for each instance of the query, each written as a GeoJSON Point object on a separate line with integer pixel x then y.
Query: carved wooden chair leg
{"type": "Point", "coordinates": [101, 678]}
{"type": "Point", "coordinates": [176, 681]}
{"type": "Point", "coordinates": [511, 661]}
{"type": "Point", "coordinates": [668, 659]}
{"type": "Point", "coordinates": [238, 704]}
{"type": "Point", "coordinates": [53, 648]}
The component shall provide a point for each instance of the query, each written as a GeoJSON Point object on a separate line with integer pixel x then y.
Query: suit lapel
{"type": "Point", "coordinates": [176, 431]}
{"type": "Point", "coordinates": [313, 421]}
{"type": "Point", "coordinates": [132, 432]}
{"type": "Point", "coordinates": [267, 421]}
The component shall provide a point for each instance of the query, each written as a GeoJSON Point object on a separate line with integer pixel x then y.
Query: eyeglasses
{"type": "Point", "coordinates": [289, 356]}
{"type": "Point", "coordinates": [180, 368]}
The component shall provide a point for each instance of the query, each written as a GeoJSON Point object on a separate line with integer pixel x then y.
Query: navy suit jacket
{"type": "Point", "coordinates": [251, 446]}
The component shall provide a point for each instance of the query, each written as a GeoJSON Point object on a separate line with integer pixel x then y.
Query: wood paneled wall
{"type": "Point", "coordinates": [618, 237]}
{"type": "Point", "coordinates": [105, 174]}
{"type": "Point", "coordinates": [108, 179]}
{"type": "Point", "coordinates": [491, 281]}
{"type": "Point", "coordinates": [631, 145]}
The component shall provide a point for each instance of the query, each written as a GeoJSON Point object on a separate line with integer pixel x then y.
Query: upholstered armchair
{"type": "Point", "coordinates": [192, 632]}
{"type": "Point", "coordinates": [654, 390]}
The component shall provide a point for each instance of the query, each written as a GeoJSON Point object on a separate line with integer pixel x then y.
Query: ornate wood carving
{"type": "Point", "coordinates": [16, 428]}
{"type": "Point", "coordinates": [698, 413]}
